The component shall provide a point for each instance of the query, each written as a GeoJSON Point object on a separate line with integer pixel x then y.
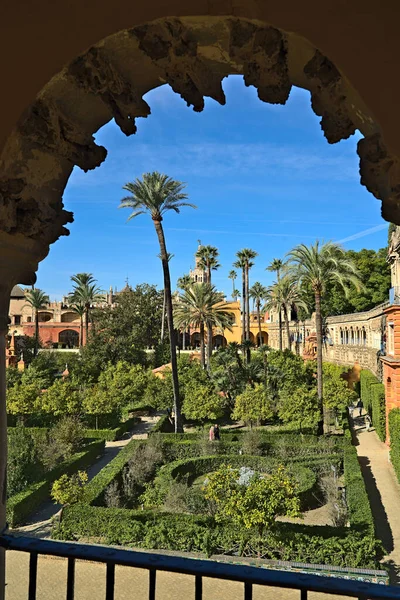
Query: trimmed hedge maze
{"type": "Point", "coordinates": [185, 458]}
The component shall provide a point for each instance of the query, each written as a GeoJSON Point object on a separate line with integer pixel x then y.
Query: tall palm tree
{"type": "Point", "coordinates": [258, 293]}
{"type": "Point", "coordinates": [245, 258]}
{"type": "Point", "coordinates": [156, 194]}
{"type": "Point", "coordinates": [38, 300]}
{"type": "Point", "coordinates": [164, 306]}
{"type": "Point", "coordinates": [290, 296]}
{"type": "Point", "coordinates": [317, 266]}
{"type": "Point", "coordinates": [80, 310]}
{"type": "Point", "coordinates": [202, 306]}
{"type": "Point", "coordinates": [233, 276]}
{"type": "Point", "coordinates": [208, 261]}
{"type": "Point", "coordinates": [183, 283]}
{"type": "Point", "coordinates": [85, 291]}
{"type": "Point", "coordinates": [241, 264]}
{"type": "Point", "coordinates": [276, 266]}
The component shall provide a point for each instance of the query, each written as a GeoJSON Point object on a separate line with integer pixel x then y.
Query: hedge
{"type": "Point", "coordinates": [94, 491]}
{"type": "Point", "coordinates": [394, 432]}
{"type": "Point", "coordinates": [163, 425]}
{"type": "Point", "coordinates": [24, 503]}
{"type": "Point", "coordinates": [228, 435]}
{"type": "Point", "coordinates": [373, 398]}
{"type": "Point", "coordinates": [343, 547]}
{"type": "Point", "coordinates": [356, 494]}
{"type": "Point", "coordinates": [110, 435]}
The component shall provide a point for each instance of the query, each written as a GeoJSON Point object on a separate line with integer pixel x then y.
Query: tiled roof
{"type": "Point", "coordinates": [17, 292]}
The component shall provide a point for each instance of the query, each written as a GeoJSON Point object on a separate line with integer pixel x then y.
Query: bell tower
{"type": "Point", "coordinates": [198, 275]}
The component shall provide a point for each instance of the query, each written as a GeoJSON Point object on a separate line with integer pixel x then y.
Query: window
{"type": "Point", "coordinates": [341, 337]}
{"type": "Point", "coordinates": [29, 320]}
{"type": "Point", "coordinates": [390, 342]}
{"type": "Point", "coordinates": [17, 319]}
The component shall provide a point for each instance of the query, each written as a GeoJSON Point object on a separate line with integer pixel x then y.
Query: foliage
{"type": "Point", "coordinates": [61, 398]}
{"type": "Point", "coordinates": [23, 464]}
{"type": "Point", "coordinates": [253, 405]}
{"type": "Point", "coordinates": [300, 406]}
{"type": "Point", "coordinates": [373, 398]}
{"type": "Point", "coordinates": [68, 490]}
{"type": "Point", "coordinates": [13, 377]}
{"type": "Point", "coordinates": [394, 432]}
{"type": "Point", "coordinates": [374, 273]}
{"type": "Point", "coordinates": [337, 394]}
{"type": "Point", "coordinates": [356, 494]}
{"type": "Point", "coordinates": [24, 503]}
{"type": "Point", "coordinates": [62, 441]}
{"type": "Point", "coordinates": [22, 399]}
{"type": "Point", "coordinates": [158, 392]}
{"type": "Point", "coordinates": [193, 533]}
{"type": "Point", "coordinates": [256, 504]}
{"type": "Point", "coordinates": [122, 331]}
{"type": "Point", "coordinates": [202, 403]}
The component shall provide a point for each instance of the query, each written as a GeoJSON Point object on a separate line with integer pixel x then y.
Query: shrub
{"type": "Point", "coordinates": [356, 494]}
{"type": "Point", "coordinates": [394, 432]}
{"type": "Point", "coordinates": [23, 464]}
{"type": "Point", "coordinates": [63, 440]}
{"type": "Point", "coordinates": [24, 503]}
{"type": "Point", "coordinates": [373, 398]}
{"type": "Point", "coordinates": [68, 490]}
{"type": "Point", "coordinates": [343, 547]}
{"type": "Point", "coordinates": [253, 443]}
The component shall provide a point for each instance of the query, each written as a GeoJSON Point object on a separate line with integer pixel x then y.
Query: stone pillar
{"type": "Point", "coordinates": [19, 258]}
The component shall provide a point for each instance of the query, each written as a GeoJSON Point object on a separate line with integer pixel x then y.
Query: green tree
{"type": "Point", "coordinates": [202, 306]}
{"type": "Point", "coordinates": [257, 504]}
{"type": "Point", "coordinates": [258, 293]}
{"type": "Point", "coordinates": [85, 292]}
{"type": "Point", "coordinates": [284, 295]}
{"type": "Point", "coordinates": [299, 405]}
{"type": "Point", "coordinates": [316, 266]}
{"type": "Point", "coordinates": [61, 398]}
{"type": "Point", "coordinates": [208, 261]}
{"type": "Point", "coordinates": [22, 400]}
{"type": "Point", "coordinates": [183, 284]}
{"type": "Point", "coordinates": [124, 383]}
{"type": "Point", "coordinates": [69, 490]}
{"type": "Point", "coordinates": [98, 402]}
{"type": "Point", "coordinates": [38, 300]}
{"type": "Point", "coordinates": [202, 403]}
{"type": "Point", "coordinates": [337, 394]}
{"type": "Point", "coordinates": [245, 262]}
{"type": "Point", "coordinates": [276, 266]}
{"type": "Point", "coordinates": [80, 310]}
{"type": "Point", "coordinates": [156, 194]}
{"type": "Point", "coordinates": [23, 465]}
{"type": "Point", "coordinates": [253, 405]}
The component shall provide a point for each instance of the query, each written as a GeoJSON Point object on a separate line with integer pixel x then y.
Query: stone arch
{"type": "Point", "coordinates": [363, 336]}
{"type": "Point", "coordinates": [341, 336]}
{"type": "Point", "coordinates": [219, 341]}
{"type": "Point", "coordinates": [195, 339]}
{"type": "Point", "coordinates": [44, 316]}
{"type": "Point", "coordinates": [69, 317]}
{"type": "Point", "coordinates": [69, 338]}
{"type": "Point", "coordinates": [192, 55]}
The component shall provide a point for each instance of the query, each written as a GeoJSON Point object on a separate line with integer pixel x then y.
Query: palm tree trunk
{"type": "Point", "coordinates": [86, 324]}
{"type": "Point", "coordinates": [243, 305]}
{"type": "Point", "coordinates": [202, 349]}
{"type": "Point", "coordinates": [35, 351]}
{"type": "Point", "coordinates": [163, 319]}
{"type": "Point", "coordinates": [280, 330]}
{"type": "Point", "coordinates": [318, 319]}
{"type": "Point", "coordinates": [81, 332]}
{"type": "Point", "coordinates": [209, 330]}
{"type": "Point", "coordinates": [184, 339]}
{"type": "Point", "coordinates": [259, 323]}
{"type": "Point", "coordinates": [170, 322]}
{"type": "Point", "coordinates": [285, 313]}
{"type": "Point", "coordinates": [248, 355]}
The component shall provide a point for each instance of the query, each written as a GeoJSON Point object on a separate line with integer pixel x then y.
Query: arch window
{"type": "Point", "coordinates": [69, 338]}
{"type": "Point", "coordinates": [341, 336]}
{"type": "Point", "coordinates": [363, 337]}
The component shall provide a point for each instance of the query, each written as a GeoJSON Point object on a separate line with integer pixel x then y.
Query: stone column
{"type": "Point", "coordinates": [19, 258]}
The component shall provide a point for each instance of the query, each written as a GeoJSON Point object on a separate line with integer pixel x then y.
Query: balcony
{"type": "Point", "coordinates": [249, 577]}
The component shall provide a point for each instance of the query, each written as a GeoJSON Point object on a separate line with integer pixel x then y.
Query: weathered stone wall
{"type": "Point", "coordinates": [357, 338]}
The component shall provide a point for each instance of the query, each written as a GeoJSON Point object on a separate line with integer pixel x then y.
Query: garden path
{"type": "Point", "coordinates": [40, 523]}
{"type": "Point", "coordinates": [383, 490]}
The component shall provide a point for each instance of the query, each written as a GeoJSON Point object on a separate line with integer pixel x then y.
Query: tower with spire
{"type": "Point", "coordinates": [198, 275]}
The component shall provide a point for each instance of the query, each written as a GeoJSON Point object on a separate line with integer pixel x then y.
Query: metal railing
{"type": "Point", "coordinates": [247, 575]}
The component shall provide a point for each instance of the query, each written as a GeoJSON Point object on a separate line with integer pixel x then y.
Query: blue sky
{"type": "Point", "coordinates": [262, 177]}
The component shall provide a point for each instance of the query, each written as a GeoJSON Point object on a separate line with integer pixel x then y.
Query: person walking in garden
{"type": "Point", "coordinates": [211, 434]}
{"type": "Point", "coordinates": [368, 422]}
{"type": "Point", "coordinates": [360, 406]}
{"type": "Point", "coordinates": [216, 432]}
